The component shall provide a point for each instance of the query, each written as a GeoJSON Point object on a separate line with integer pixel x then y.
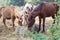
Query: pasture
{"type": "Point", "coordinates": [10, 35]}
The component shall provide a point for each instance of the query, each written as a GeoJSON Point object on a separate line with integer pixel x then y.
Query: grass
{"type": "Point", "coordinates": [30, 36]}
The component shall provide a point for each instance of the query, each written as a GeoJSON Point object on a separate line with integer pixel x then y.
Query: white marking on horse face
{"type": "Point", "coordinates": [28, 7]}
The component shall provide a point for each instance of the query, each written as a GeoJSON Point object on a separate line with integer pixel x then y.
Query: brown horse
{"type": "Point", "coordinates": [9, 12]}
{"type": "Point", "coordinates": [43, 10]}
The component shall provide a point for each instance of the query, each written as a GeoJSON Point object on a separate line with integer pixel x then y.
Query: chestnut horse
{"type": "Point", "coordinates": [9, 12]}
{"type": "Point", "coordinates": [43, 10]}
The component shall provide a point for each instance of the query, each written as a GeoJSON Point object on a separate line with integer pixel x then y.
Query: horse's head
{"type": "Point", "coordinates": [18, 16]}
{"type": "Point", "coordinates": [31, 17]}
{"type": "Point", "coordinates": [18, 21]}
{"type": "Point", "coordinates": [30, 21]}
{"type": "Point", "coordinates": [28, 8]}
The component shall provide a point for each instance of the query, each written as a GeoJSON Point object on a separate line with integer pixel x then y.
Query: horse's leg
{"type": "Point", "coordinates": [4, 20]}
{"type": "Point", "coordinates": [13, 19]}
{"type": "Point", "coordinates": [29, 28]}
{"type": "Point", "coordinates": [43, 25]}
{"type": "Point", "coordinates": [30, 25]}
{"type": "Point", "coordinates": [39, 24]}
{"type": "Point", "coordinates": [0, 15]}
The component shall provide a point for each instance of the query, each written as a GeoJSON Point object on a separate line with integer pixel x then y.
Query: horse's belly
{"type": "Point", "coordinates": [48, 15]}
{"type": "Point", "coordinates": [7, 16]}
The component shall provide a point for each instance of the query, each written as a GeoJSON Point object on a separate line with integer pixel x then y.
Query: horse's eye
{"type": "Point", "coordinates": [17, 16]}
{"type": "Point", "coordinates": [31, 8]}
{"type": "Point", "coordinates": [25, 12]}
{"type": "Point", "coordinates": [20, 18]}
{"type": "Point", "coordinates": [27, 7]}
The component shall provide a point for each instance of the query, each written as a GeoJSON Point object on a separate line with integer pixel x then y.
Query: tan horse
{"type": "Point", "coordinates": [9, 12]}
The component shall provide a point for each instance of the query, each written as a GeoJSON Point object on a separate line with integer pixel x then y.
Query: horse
{"type": "Point", "coordinates": [43, 10]}
{"type": "Point", "coordinates": [10, 12]}
{"type": "Point", "coordinates": [27, 10]}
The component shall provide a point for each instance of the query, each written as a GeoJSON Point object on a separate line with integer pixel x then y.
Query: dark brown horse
{"type": "Point", "coordinates": [43, 10]}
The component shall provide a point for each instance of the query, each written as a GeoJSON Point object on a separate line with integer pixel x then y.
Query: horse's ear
{"type": "Point", "coordinates": [27, 7]}
{"type": "Point", "coordinates": [25, 12]}
{"type": "Point", "coordinates": [32, 6]}
{"type": "Point", "coordinates": [2, 7]}
{"type": "Point", "coordinates": [17, 17]}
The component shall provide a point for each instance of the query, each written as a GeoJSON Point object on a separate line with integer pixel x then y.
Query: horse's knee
{"type": "Point", "coordinates": [13, 19]}
{"type": "Point", "coordinates": [3, 20]}
{"type": "Point", "coordinates": [13, 24]}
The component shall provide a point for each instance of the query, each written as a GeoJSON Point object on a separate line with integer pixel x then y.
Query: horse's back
{"type": "Point", "coordinates": [49, 9]}
{"type": "Point", "coordinates": [8, 11]}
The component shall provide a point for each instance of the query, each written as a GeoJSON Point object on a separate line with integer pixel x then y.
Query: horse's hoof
{"type": "Point", "coordinates": [42, 31]}
{"type": "Point", "coordinates": [12, 29]}
{"type": "Point", "coordinates": [38, 31]}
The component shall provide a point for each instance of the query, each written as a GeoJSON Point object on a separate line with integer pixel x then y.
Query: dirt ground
{"type": "Point", "coordinates": [9, 35]}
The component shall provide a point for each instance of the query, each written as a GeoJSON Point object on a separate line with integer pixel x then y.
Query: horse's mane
{"type": "Point", "coordinates": [39, 6]}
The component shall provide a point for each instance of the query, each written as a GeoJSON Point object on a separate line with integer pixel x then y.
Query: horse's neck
{"type": "Point", "coordinates": [33, 15]}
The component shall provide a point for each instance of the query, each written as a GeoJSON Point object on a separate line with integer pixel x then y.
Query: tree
{"type": "Point", "coordinates": [4, 2]}
{"type": "Point", "coordinates": [33, 1]}
{"type": "Point", "coordinates": [17, 2]}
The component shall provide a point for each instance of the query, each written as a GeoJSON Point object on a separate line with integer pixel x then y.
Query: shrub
{"type": "Point", "coordinates": [55, 29]}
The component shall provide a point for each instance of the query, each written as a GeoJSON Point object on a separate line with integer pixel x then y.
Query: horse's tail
{"type": "Point", "coordinates": [1, 11]}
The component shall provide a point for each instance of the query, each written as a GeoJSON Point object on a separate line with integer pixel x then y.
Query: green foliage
{"type": "Point", "coordinates": [55, 29]}
{"type": "Point", "coordinates": [17, 2]}
{"type": "Point", "coordinates": [22, 2]}
{"type": "Point", "coordinates": [28, 0]}
{"type": "Point", "coordinates": [36, 36]}
{"type": "Point", "coordinates": [4, 2]}
{"type": "Point", "coordinates": [33, 1]}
